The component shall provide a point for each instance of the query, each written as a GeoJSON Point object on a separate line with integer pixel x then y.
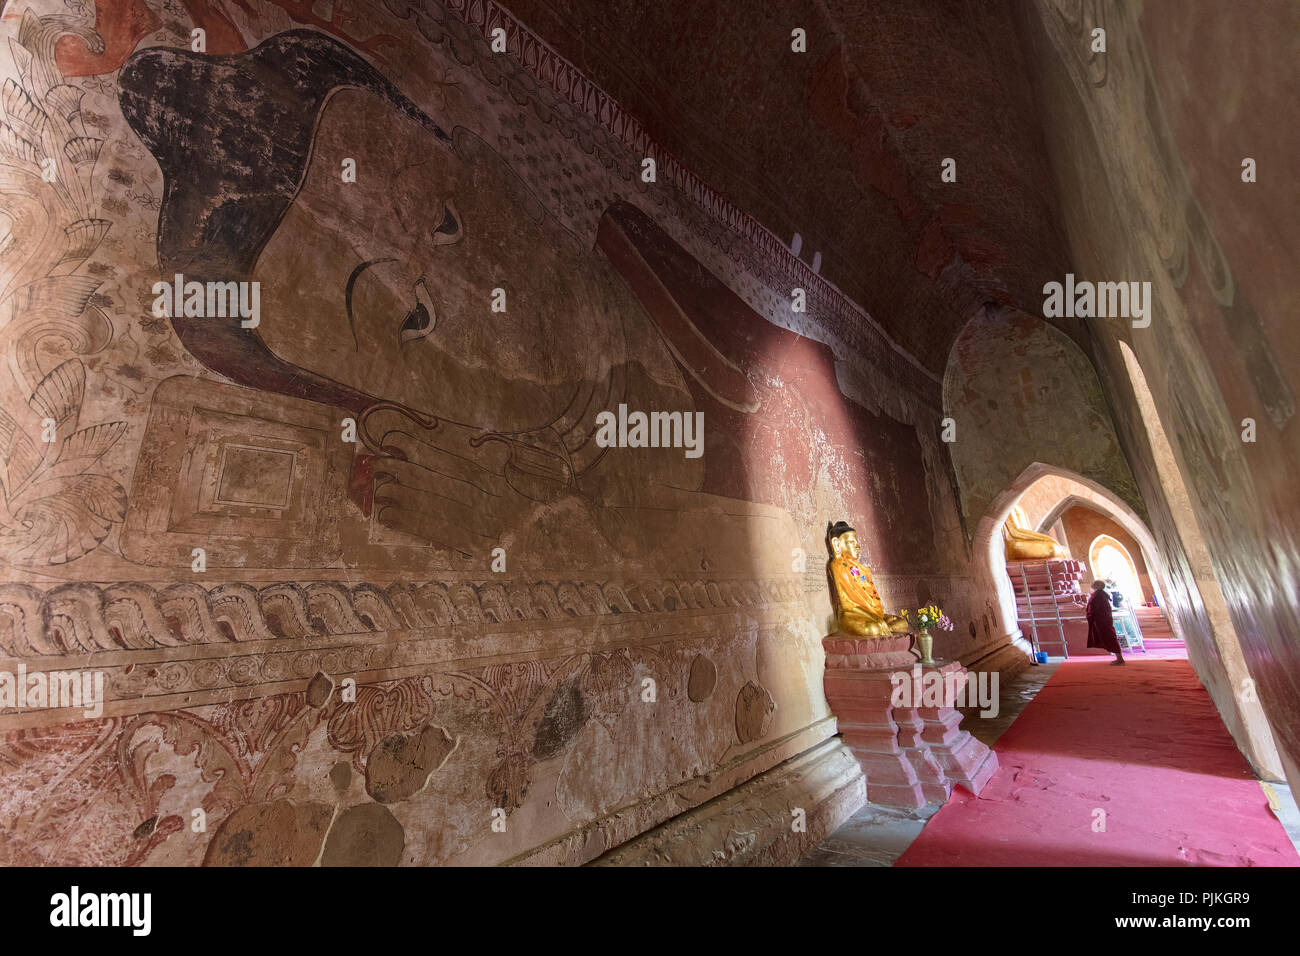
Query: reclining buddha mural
{"type": "Point", "coordinates": [363, 580]}
{"type": "Point", "coordinates": [378, 300]}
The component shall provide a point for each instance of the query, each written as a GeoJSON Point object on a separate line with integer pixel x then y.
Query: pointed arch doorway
{"type": "Point", "coordinates": [1110, 560]}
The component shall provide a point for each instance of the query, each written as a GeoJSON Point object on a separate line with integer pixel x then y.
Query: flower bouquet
{"type": "Point", "coordinates": [927, 617]}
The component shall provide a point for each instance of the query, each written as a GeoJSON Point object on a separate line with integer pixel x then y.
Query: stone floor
{"type": "Point", "coordinates": [877, 836]}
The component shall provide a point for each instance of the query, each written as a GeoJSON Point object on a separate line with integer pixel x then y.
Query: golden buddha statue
{"type": "Point", "coordinates": [1023, 544]}
{"type": "Point", "coordinates": [858, 608]}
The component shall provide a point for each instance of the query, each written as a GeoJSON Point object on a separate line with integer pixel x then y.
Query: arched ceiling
{"type": "Point", "coordinates": [844, 144]}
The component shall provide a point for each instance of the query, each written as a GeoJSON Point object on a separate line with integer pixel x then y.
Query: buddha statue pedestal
{"type": "Point", "coordinates": [964, 760]}
{"type": "Point", "coordinates": [911, 755]}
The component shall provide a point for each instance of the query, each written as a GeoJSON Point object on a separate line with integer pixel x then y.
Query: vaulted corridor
{"type": "Point", "coordinates": [644, 433]}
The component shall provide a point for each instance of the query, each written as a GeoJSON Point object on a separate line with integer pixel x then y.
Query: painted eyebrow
{"type": "Point", "coordinates": [347, 295]}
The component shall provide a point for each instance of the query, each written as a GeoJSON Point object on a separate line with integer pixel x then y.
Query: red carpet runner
{"type": "Point", "coordinates": [1144, 744]}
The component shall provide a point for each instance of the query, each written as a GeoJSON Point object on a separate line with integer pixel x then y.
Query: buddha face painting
{"type": "Point", "coordinates": [376, 290]}
{"type": "Point", "coordinates": [407, 262]}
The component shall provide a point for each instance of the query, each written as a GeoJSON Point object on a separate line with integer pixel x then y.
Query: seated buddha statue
{"type": "Point", "coordinates": [858, 608]}
{"type": "Point", "coordinates": [1022, 544]}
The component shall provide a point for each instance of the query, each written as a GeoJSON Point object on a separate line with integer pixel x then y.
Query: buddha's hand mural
{"type": "Point", "coordinates": [455, 486]}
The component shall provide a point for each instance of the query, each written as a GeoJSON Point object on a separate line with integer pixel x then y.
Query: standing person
{"type": "Point", "coordinates": [1101, 623]}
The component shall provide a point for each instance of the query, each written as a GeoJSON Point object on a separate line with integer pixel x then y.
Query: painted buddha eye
{"type": "Point", "coordinates": [450, 230]}
{"type": "Point", "coordinates": [416, 324]}
{"type": "Point", "coordinates": [420, 321]}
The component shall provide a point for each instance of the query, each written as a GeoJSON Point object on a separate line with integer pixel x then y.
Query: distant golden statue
{"type": "Point", "coordinates": [858, 608]}
{"type": "Point", "coordinates": [1025, 545]}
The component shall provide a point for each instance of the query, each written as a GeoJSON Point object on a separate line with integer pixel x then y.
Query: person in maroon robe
{"type": "Point", "coordinates": [1101, 623]}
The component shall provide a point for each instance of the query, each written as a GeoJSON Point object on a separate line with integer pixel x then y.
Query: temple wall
{"type": "Point", "coordinates": [1152, 191]}
{"type": "Point", "coordinates": [362, 581]}
{"type": "Point", "coordinates": [1021, 392]}
{"type": "Point", "coordinates": [1083, 525]}
{"type": "Point", "coordinates": [1043, 497]}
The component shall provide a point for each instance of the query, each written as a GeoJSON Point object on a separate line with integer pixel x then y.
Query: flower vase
{"type": "Point", "coordinates": [926, 643]}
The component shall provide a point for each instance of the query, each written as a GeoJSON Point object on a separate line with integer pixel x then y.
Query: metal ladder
{"type": "Point", "coordinates": [1056, 608]}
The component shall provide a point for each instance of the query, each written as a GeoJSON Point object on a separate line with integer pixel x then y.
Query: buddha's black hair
{"type": "Point", "coordinates": [833, 531]}
{"type": "Point", "coordinates": [233, 136]}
